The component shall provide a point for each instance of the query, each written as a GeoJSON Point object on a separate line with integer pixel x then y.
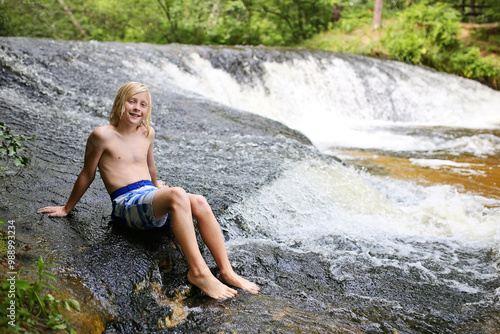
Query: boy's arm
{"type": "Point", "coordinates": [93, 152]}
{"type": "Point", "coordinates": [151, 162]}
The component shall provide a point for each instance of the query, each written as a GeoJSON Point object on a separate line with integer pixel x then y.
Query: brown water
{"type": "Point", "coordinates": [478, 175]}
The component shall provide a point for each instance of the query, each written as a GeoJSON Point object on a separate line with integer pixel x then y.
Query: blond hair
{"type": "Point", "coordinates": [124, 93]}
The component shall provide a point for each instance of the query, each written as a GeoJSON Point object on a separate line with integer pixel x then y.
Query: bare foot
{"type": "Point", "coordinates": [235, 280]}
{"type": "Point", "coordinates": [211, 286]}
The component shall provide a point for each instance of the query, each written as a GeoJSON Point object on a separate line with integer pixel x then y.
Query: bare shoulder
{"type": "Point", "coordinates": [152, 132]}
{"type": "Point", "coordinates": [150, 137]}
{"type": "Point", "coordinates": [102, 133]}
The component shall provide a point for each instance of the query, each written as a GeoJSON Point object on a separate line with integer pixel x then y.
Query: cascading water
{"type": "Point", "coordinates": [335, 248]}
{"type": "Point", "coordinates": [341, 100]}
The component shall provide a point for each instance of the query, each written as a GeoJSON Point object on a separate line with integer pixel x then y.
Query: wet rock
{"type": "Point", "coordinates": [59, 91]}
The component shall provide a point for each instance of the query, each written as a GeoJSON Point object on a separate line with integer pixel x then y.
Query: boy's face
{"type": "Point", "coordinates": [136, 108]}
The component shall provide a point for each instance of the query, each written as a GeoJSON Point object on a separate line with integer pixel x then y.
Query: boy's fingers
{"type": "Point", "coordinates": [47, 209]}
{"type": "Point", "coordinates": [55, 214]}
{"type": "Point", "coordinates": [52, 211]}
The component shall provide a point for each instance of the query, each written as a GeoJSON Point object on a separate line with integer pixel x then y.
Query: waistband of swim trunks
{"type": "Point", "coordinates": [132, 186]}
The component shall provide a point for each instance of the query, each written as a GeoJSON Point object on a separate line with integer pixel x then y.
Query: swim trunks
{"type": "Point", "coordinates": [133, 205]}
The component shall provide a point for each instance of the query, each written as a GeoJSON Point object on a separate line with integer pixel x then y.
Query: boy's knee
{"type": "Point", "coordinates": [199, 203]}
{"type": "Point", "coordinates": [178, 197]}
{"type": "Point", "coordinates": [199, 199]}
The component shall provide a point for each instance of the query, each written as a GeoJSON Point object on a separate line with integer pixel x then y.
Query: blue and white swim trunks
{"type": "Point", "coordinates": [133, 205]}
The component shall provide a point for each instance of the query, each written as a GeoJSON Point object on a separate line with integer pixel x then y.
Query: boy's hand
{"type": "Point", "coordinates": [54, 211]}
{"type": "Point", "coordinates": [161, 184]}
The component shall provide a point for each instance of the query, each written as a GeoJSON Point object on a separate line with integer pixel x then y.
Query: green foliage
{"type": "Point", "coordinates": [37, 310]}
{"type": "Point", "coordinates": [34, 19]}
{"type": "Point", "coordinates": [235, 23]}
{"type": "Point", "coordinates": [354, 17]}
{"type": "Point", "coordinates": [251, 22]}
{"type": "Point", "coordinates": [11, 145]}
{"type": "Point", "coordinates": [276, 22]}
{"type": "Point", "coordinates": [487, 10]}
{"type": "Point", "coordinates": [426, 34]}
{"type": "Point", "coordinates": [397, 4]}
{"type": "Point", "coordinates": [491, 12]}
{"type": "Point", "coordinates": [3, 241]}
{"type": "Point", "coordinates": [469, 64]}
{"type": "Point", "coordinates": [487, 39]}
{"type": "Point", "coordinates": [298, 19]}
{"type": "Point", "coordinates": [421, 28]}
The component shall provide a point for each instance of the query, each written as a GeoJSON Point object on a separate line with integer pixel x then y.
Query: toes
{"type": "Point", "coordinates": [227, 294]}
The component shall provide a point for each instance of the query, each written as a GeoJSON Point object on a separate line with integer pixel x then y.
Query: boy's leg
{"type": "Point", "coordinates": [212, 236]}
{"type": "Point", "coordinates": [176, 202]}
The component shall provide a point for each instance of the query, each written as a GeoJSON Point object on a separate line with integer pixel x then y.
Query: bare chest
{"type": "Point", "coordinates": [126, 152]}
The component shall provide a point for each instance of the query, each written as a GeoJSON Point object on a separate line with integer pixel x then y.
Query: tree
{"type": "Point", "coordinates": [483, 11]}
{"type": "Point", "coordinates": [295, 20]}
{"type": "Point", "coordinates": [73, 19]}
{"type": "Point", "coordinates": [377, 14]}
{"type": "Point", "coordinates": [166, 7]}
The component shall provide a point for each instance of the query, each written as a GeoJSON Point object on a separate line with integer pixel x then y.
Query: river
{"type": "Point", "coordinates": [360, 194]}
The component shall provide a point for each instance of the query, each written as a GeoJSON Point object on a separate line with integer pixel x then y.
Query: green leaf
{"type": "Point", "coordinates": [41, 303]}
{"type": "Point", "coordinates": [48, 285]}
{"type": "Point", "coordinates": [11, 151]}
{"type": "Point", "coordinates": [74, 304]}
{"type": "Point", "coordinates": [50, 297]}
{"type": "Point", "coordinates": [60, 326]}
{"type": "Point", "coordinates": [49, 275]}
{"type": "Point", "coordinates": [18, 162]}
{"type": "Point", "coordinates": [22, 285]}
{"type": "Point", "coordinates": [65, 304]}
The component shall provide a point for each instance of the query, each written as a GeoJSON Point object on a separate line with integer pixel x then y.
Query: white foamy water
{"type": "Point", "coordinates": [368, 104]}
{"type": "Point", "coordinates": [319, 199]}
{"type": "Point", "coordinates": [318, 207]}
{"type": "Point", "coordinates": [341, 104]}
{"type": "Point", "coordinates": [347, 217]}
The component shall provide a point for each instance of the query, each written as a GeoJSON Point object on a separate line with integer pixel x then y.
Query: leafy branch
{"type": "Point", "coordinates": [37, 310]}
{"type": "Point", "coordinates": [11, 145]}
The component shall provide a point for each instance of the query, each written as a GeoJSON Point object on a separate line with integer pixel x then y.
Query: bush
{"type": "Point", "coordinates": [11, 145]}
{"type": "Point", "coordinates": [420, 28]}
{"type": "Point", "coordinates": [426, 34]}
{"type": "Point", "coordinates": [37, 310]}
{"type": "Point", "coordinates": [470, 64]}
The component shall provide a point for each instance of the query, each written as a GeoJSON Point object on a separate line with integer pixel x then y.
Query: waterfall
{"type": "Point", "coordinates": [334, 247]}
{"type": "Point", "coordinates": [345, 101]}
{"type": "Point", "coordinates": [339, 100]}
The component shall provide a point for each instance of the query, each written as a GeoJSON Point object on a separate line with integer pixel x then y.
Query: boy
{"type": "Point", "coordinates": [123, 151]}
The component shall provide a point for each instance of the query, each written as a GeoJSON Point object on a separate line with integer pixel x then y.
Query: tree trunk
{"type": "Point", "coordinates": [214, 14]}
{"type": "Point", "coordinates": [472, 11]}
{"type": "Point", "coordinates": [377, 14]}
{"type": "Point", "coordinates": [173, 25]}
{"type": "Point", "coordinates": [73, 19]}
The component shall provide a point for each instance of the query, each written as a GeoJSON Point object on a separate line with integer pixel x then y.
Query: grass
{"type": "Point", "coordinates": [360, 39]}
